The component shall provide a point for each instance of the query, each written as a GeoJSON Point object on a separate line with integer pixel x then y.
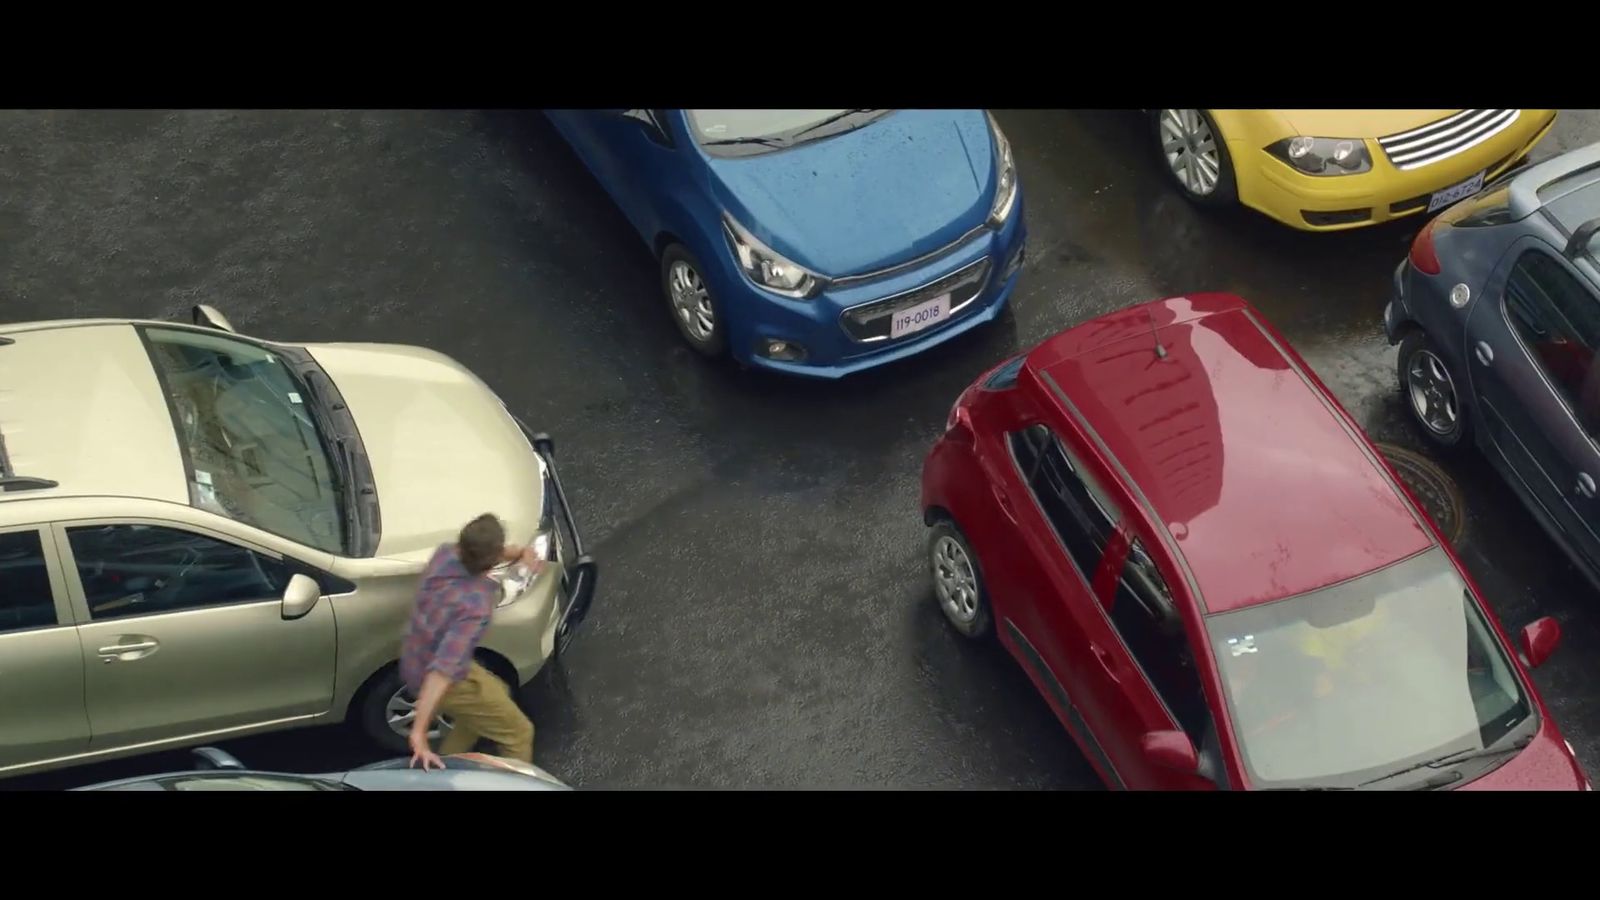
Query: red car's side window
{"type": "Point", "coordinates": [1078, 511]}
{"type": "Point", "coordinates": [1148, 621]}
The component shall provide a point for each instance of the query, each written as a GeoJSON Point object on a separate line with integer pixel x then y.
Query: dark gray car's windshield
{"type": "Point", "coordinates": [1345, 684]}
{"type": "Point", "coordinates": [775, 127]}
{"type": "Point", "coordinates": [251, 443]}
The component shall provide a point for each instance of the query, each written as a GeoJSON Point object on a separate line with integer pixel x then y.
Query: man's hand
{"type": "Point", "coordinates": [526, 556]}
{"type": "Point", "coordinates": [420, 751]}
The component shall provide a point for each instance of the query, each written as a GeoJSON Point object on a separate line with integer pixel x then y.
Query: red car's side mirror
{"type": "Point", "coordinates": [1539, 640]}
{"type": "Point", "coordinates": [1170, 750]}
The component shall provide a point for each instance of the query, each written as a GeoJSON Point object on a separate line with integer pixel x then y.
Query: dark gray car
{"type": "Point", "coordinates": [1497, 314]}
{"type": "Point", "coordinates": [219, 771]}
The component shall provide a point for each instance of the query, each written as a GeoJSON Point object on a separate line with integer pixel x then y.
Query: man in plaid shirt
{"type": "Point", "coordinates": [454, 605]}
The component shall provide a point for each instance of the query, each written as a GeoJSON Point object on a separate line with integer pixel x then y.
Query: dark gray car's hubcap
{"type": "Point", "coordinates": [1432, 393]}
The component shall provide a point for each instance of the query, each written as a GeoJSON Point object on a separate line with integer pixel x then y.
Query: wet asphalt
{"type": "Point", "coordinates": [764, 618]}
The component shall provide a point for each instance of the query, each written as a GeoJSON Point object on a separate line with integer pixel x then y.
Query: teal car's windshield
{"type": "Point", "coordinates": [1347, 684]}
{"type": "Point", "coordinates": [251, 443]}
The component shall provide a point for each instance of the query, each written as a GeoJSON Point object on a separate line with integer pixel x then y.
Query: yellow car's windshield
{"type": "Point", "coordinates": [1349, 683]}
{"type": "Point", "coordinates": [249, 438]}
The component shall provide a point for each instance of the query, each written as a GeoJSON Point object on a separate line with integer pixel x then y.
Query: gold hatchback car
{"type": "Point", "coordinates": [205, 535]}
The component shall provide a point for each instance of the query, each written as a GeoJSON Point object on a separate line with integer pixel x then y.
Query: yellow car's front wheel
{"type": "Point", "coordinates": [1196, 155]}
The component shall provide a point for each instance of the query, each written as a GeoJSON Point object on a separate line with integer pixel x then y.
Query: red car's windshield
{"type": "Point", "coordinates": [1346, 684]}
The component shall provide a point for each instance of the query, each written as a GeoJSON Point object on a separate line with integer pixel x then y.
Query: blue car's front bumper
{"type": "Point", "coordinates": [819, 324]}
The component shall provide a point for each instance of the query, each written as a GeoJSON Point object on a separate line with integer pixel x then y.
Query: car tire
{"type": "Point", "coordinates": [379, 704]}
{"type": "Point", "coordinates": [1431, 392]}
{"type": "Point", "coordinates": [1191, 132]}
{"type": "Point", "coordinates": [958, 585]}
{"type": "Point", "coordinates": [695, 310]}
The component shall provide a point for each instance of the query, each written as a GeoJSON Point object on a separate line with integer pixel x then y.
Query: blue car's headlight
{"type": "Point", "coordinates": [768, 269]}
{"type": "Point", "coordinates": [1005, 192]}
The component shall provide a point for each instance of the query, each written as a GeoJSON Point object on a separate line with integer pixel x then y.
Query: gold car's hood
{"type": "Point", "coordinates": [442, 446]}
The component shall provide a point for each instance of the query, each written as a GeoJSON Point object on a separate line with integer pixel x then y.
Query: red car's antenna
{"type": "Point", "coordinates": [1161, 352]}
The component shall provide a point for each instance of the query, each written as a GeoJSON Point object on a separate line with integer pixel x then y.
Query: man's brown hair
{"type": "Point", "coordinates": [482, 544]}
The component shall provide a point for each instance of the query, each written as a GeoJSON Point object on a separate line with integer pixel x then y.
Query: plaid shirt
{"type": "Point", "coordinates": [453, 610]}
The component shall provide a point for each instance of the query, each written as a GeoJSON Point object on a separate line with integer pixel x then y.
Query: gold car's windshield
{"type": "Point", "coordinates": [250, 442]}
{"type": "Point", "coordinates": [1349, 683]}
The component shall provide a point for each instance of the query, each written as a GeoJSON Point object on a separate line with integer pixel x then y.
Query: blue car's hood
{"type": "Point", "coordinates": [901, 186]}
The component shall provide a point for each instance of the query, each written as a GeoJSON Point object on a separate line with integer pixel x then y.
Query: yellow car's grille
{"type": "Point", "coordinates": [1445, 138]}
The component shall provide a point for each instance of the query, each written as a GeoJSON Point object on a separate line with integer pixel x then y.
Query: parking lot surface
{"type": "Point", "coordinates": [764, 616]}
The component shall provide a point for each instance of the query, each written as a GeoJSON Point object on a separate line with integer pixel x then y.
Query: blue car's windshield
{"type": "Point", "coordinates": [773, 127]}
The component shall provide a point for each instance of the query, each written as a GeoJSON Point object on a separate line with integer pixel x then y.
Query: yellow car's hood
{"type": "Point", "coordinates": [1358, 123]}
{"type": "Point", "coordinates": [442, 446]}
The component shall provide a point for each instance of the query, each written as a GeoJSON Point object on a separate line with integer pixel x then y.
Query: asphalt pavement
{"type": "Point", "coordinates": [764, 616]}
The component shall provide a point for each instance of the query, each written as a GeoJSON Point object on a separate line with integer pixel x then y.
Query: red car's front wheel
{"type": "Point", "coordinates": [957, 581]}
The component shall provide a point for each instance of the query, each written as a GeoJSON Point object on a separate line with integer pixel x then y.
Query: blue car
{"type": "Point", "coordinates": [815, 242]}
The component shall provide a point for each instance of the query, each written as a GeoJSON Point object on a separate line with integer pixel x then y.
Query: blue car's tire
{"type": "Point", "coordinates": [690, 301]}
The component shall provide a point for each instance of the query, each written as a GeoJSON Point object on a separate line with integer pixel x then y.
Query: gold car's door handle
{"type": "Point", "coordinates": [129, 652]}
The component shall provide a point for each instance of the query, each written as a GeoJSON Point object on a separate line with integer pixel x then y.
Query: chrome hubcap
{"type": "Point", "coordinates": [1191, 149]}
{"type": "Point", "coordinates": [1433, 394]}
{"type": "Point", "coordinates": [402, 711]}
{"type": "Point", "coordinates": [954, 581]}
{"type": "Point", "coordinates": [690, 301]}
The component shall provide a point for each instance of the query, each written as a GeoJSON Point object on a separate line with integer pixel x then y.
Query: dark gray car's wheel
{"type": "Point", "coordinates": [1196, 156]}
{"type": "Point", "coordinates": [1432, 392]}
{"type": "Point", "coordinates": [694, 309]}
{"type": "Point", "coordinates": [957, 581]}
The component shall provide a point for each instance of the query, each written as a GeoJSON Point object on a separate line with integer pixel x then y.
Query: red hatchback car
{"type": "Point", "coordinates": [1212, 576]}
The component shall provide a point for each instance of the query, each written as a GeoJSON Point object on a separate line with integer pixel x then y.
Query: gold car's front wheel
{"type": "Point", "coordinates": [1196, 155]}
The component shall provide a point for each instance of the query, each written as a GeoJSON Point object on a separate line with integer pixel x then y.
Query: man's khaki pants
{"type": "Point", "coordinates": [480, 706]}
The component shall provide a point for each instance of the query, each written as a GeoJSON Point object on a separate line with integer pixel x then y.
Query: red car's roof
{"type": "Point", "coordinates": [1264, 490]}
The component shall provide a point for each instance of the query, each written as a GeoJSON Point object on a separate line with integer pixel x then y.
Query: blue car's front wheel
{"type": "Point", "coordinates": [694, 309]}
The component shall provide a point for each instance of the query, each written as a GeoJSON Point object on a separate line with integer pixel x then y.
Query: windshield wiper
{"type": "Point", "coordinates": [830, 120]}
{"type": "Point", "coordinates": [343, 463]}
{"type": "Point", "coordinates": [1450, 759]}
{"type": "Point", "coordinates": [347, 496]}
{"type": "Point", "coordinates": [763, 141]}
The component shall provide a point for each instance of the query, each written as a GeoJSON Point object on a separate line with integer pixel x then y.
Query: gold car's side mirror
{"type": "Point", "coordinates": [207, 316]}
{"type": "Point", "coordinates": [300, 596]}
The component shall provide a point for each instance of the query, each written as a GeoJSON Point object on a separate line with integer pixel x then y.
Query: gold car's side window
{"type": "Point", "coordinates": [141, 570]}
{"type": "Point", "coordinates": [26, 600]}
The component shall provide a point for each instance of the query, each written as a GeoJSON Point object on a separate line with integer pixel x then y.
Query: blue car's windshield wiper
{"type": "Point", "coordinates": [1450, 759]}
{"type": "Point", "coordinates": [763, 141]}
{"type": "Point", "coordinates": [830, 120]}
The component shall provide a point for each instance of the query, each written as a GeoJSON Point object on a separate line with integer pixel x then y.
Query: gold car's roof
{"type": "Point", "coordinates": [81, 406]}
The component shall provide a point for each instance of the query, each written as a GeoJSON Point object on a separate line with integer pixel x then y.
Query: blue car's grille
{"type": "Point", "coordinates": [870, 321]}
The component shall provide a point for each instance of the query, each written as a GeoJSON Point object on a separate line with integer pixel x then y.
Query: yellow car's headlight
{"type": "Point", "coordinates": [1324, 156]}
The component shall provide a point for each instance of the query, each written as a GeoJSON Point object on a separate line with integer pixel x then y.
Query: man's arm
{"type": "Point", "coordinates": [523, 554]}
{"type": "Point", "coordinates": [434, 684]}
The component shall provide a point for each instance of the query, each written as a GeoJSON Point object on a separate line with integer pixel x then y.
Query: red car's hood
{"type": "Point", "coordinates": [1544, 765]}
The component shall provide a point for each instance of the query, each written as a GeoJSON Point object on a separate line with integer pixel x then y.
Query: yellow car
{"type": "Point", "coordinates": [1332, 169]}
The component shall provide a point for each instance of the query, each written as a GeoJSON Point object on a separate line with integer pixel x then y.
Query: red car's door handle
{"type": "Point", "coordinates": [1104, 659]}
{"type": "Point", "coordinates": [1004, 501]}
